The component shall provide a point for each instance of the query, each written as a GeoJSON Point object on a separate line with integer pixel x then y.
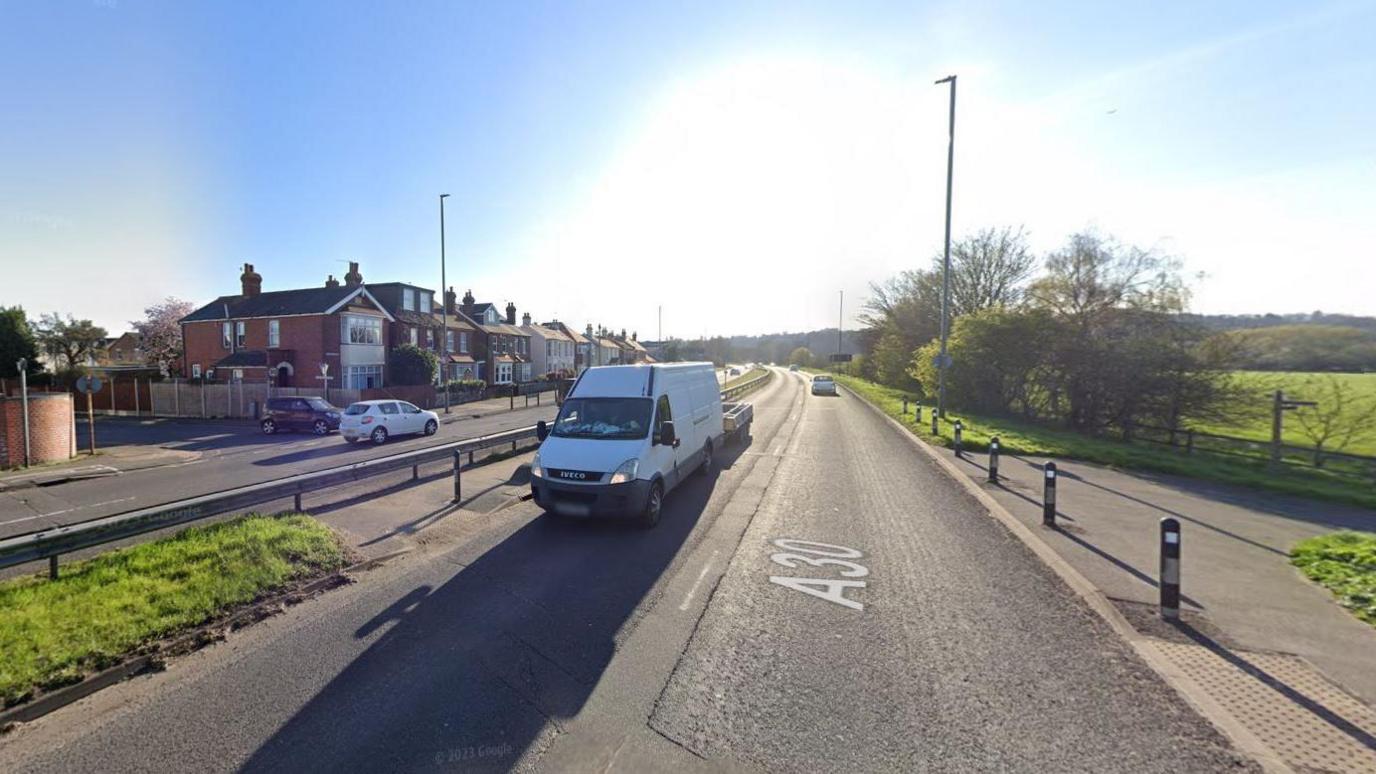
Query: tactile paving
{"type": "Point", "coordinates": [1307, 721]}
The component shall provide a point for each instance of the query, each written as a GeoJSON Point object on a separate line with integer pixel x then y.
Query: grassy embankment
{"type": "Point", "coordinates": [1025, 438]}
{"type": "Point", "coordinates": [105, 608]}
{"type": "Point", "coordinates": [1344, 563]}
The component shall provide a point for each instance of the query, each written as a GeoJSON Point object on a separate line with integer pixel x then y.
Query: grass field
{"type": "Point", "coordinates": [1344, 563]}
{"type": "Point", "coordinates": [1301, 385]}
{"type": "Point", "coordinates": [102, 609]}
{"type": "Point", "coordinates": [1024, 438]}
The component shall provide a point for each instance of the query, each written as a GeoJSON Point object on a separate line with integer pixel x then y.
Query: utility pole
{"type": "Point", "coordinates": [840, 315]}
{"type": "Point", "coordinates": [660, 334]}
{"type": "Point", "coordinates": [945, 359]}
{"type": "Point", "coordinates": [23, 366]}
{"type": "Point", "coordinates": [444, 314]}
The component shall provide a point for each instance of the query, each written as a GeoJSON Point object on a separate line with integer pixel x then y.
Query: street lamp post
{"type": "Point", "coordinates": [23, 366]}
{"type": "Point", "coordinates": [444, 314]}
{"type": "Point", "coordinates": [944, 360]}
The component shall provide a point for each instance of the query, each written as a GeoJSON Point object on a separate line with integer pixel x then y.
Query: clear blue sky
{"type": "Point", "coordinates": [150, 148]}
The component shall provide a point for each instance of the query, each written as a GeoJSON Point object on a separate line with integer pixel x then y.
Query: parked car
{"type": "Point", "coordinates": [735, 372]}
{"type": "Point", "coordinates": [626, 436]}
{"type": "Point", "coordinates": [823, 384]}
{"type": "Point", "coordinates": [314, 414]}
{"type": "Point", "coordinates": [378, 420]}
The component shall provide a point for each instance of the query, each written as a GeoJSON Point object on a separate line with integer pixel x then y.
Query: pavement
{"type": "Point", "coordinates": [1273, 647]}
{"type": "Point", "coordinates": [146, 462]}
{"type": "Point", "coordinates": [828, 599]}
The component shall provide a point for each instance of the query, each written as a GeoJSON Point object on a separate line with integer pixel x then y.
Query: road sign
{"type": "Point", "coordinates": [942, 361]}
{"type": "Point", "coordinates": [88, 384]}
{"type": "Point", "coordinates": [841, 357]}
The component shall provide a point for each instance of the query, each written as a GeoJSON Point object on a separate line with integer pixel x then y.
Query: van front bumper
{"type": "Point", "coordinates": [626, 499]}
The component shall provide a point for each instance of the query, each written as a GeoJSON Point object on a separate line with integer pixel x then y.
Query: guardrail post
{"type": "Point", "coordinates": [1049, 495]}
{"type": "Point", "coordinates": [52, 567]}
{"type": "Point", "coordinates": [1170, 569]}
{"type": "Point", "coordinates": [994, 459]}
{"type": "Point", "coordinates": [956, 435]}
{"type": "Point", "coordinates": [297, 502]}
{"type": "Point", "coordinates": [415, 472]}
{"type": "Point", "coordinates": [458, 465]}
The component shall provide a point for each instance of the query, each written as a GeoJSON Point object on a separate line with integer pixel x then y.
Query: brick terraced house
{"type": "Point", "coordinates": [284, 336]}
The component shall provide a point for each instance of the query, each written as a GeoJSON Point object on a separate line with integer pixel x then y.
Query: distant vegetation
{"type": "Point", "coordinates": [1303, 348]}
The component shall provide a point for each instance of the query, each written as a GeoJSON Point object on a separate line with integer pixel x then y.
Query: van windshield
{"type": "Point", "coordinates": [611, 418]}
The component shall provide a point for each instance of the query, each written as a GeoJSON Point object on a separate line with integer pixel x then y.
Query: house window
{"type": "Point", "coordinates": [413, 336]}
{"type": "Point", "coordinates": [429, 338]}
{"type": "Point", "coordinates": [448, 341]}
{"type": "Point", "coordinates": [503, 373]}
{"type": "Point", "coordinates": [225, 334]}
{"type": "Point", "coordinates": [362, 330]}
{"type": "Point", "coordinates": [490, 316]}
{"type": "Point", "coordinates": [195, 370]}
{"type": "Point", "coordinates": [463, 341]}
{"type": "Point", "coordinates": [239, 334]}
{"type": "Point", "coordinates": [408, 299]}
{"type": "Point", "coordinates": [274, 333]}
{"type": "Point", "coordinates": [425, 303]}
{"type": "Point", "coordinates": [363, 377]}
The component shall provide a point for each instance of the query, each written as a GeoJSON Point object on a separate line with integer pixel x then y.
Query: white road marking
{"type": "Point", "coordinates": [16, 521]}
{"type": "Point", "coordinates": [698, 582]}
{"type": "Point", "coordinates": [82, 507]}
{"type": "Point", "coordinates": [823, 588]}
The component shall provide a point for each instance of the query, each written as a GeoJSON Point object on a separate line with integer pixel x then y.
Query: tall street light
{"type": "Point", "coordinates": [944, 360]}
{"type": "Point", "coordinates": [444, 314]}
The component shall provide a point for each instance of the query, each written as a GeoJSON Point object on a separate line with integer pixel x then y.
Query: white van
{"type": "Point", "coordinates": [625, 436]}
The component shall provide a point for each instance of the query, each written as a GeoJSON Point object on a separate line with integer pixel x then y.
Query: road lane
{"type": "Point", "coordinates": [917, 635]}
{"type": "Point", "coordinates": [231, 456]}
{"type": "Point", "coordinates": [472, 653]}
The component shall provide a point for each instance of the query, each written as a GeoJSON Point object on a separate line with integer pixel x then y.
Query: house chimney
{"type": "Point", "coordinates": [251, 281]}
{"type": "Point", "coordinates": [510, 313]}
{"type": "Point", "coordinates": [623, 334]}
{"type": "Point", "coordinates": [633, 338]}
{"type": "Point", "coordinates": [589, 333]}
{"type": "Point", "coordinates": [331, 282]}
{"type": "Point", "coordinates": [353, 279]}
{"type": "Point", "coordinates": [449, 296]}
{"type": "Point", "coordinates": [525, 319]}
{"type": "Point", "coordinates": [468, 302]}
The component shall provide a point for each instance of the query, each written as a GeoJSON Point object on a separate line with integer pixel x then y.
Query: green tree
{"type": "Point", "coordinates": [800, 356]}
{"type": "Point", "coordinates": [68, 342]}
{"type": "Point", "coordinates": [411, 365]}
{"type": "Point", "coordinates": [16, 341]}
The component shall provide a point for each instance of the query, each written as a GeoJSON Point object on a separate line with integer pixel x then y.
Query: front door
{"type": "Point", "coordinates": [664, 458]}
{"type": "Point", "coordinates": [283, 377]}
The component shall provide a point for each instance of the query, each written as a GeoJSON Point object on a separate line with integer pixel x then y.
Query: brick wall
{"type": "Point", "coordinates": [50, 429]}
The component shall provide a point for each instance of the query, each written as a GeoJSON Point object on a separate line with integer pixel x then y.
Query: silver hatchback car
{"type": "Point", "coordinates": [823, 384]}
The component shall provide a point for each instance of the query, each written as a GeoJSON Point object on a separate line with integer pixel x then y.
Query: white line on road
{"type": "Point", "coordinates": [698, 582]}
{"type": "Point", "coordinates": [77, 508]}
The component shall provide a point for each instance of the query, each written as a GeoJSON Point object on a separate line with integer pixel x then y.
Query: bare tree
{"type": "Point", "coordinates": [1343, 415]}
{"type": "Point", "coordinates": [161, 332]}
{"type": "Point", "coordinates": [988, 269]}
{"type": "Point", "coordinates": [1093, 274]}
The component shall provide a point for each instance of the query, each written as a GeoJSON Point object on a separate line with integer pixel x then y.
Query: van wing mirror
{"type": "Point", "coordinates": [542, 430]}
{"type": "Point", "coordinates": [666, 434]}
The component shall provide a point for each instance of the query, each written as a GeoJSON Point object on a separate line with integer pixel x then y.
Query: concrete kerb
{"type": "Point", "coordinates": [1244, 740]}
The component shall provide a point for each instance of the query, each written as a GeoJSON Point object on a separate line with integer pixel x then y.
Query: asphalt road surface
{"type": "Point", "coordinates": [909, 633]}
{"type": "Point", "coordinates": [227, 455]}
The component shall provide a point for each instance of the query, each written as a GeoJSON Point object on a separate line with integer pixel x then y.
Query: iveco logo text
{"type": "Point", "coordinates": [572, 474]}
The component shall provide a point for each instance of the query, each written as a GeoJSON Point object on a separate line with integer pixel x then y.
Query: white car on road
{"type": "Point", "coordinates": [823, 384]}
{"type": "Point", "coordinates": [378, 420]}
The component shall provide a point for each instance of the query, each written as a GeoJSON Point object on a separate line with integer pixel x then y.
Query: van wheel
{"type": "Point", "coordinates": [653, 504]}
{"type": "Point", "coordinates": [707, 458]}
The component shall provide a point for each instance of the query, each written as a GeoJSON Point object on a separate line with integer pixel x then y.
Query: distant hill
{"type": "Point", "coordinates": [1230, 322]}
{"type": "Point", "coordinates": [1304, 348]}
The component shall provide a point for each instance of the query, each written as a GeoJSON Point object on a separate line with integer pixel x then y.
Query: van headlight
{"type": "Point", "coordinates": [626, 472]}
{"type": "Point", "coordinates": [535, 470]}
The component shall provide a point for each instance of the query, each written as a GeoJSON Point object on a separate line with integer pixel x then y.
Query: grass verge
{"type": "Point", "coordinates": [103, 609]}
{"type": "Point", "coordinates": [1345, 564]}
{"type": "Point", "coordinates": [1026, 438]}
{"type": "Point", "coordinates": [743, 378]}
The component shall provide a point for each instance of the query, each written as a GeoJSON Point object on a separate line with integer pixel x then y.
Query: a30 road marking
{"type": "Point", "coordinates": [815, 554]}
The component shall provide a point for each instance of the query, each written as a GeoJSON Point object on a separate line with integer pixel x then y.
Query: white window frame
{"type": "Point", "coordinates": [463, 342]}
{"type": "Point", "coordinates": [240, 334]}
{"type": "Point", "coordinates": [195, 370]}
{"type": "Point", "coordinates": [274, 334]}
{"type": "Point", "coordinates": [448, 341]}
{"type": "Point", "coordinates": [408, 299]}
{"type": "Point", "coordinates": [227, 335]}
{"type": "Point", "coordinates": [414, 333]}
{"type": "Point", "coordinates": [425, 303]}
{"type": "Point", "coordinates": [356, 377]}
{"type": "Point", "coordinates": [370, 329]}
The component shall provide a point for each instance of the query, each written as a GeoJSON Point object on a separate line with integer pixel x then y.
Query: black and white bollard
{"type": "Point", "coordinates": [994, 459]}
{"type": "Point", "coordinates": [1049, 495]}
{"type": "Point", "coordinates": [956, 435]}
{"type": "Point", "coordinates": [458, 465]}
{"type": "Point", "coordinates": [936, 430]}
{"type": "Point", "coordinates": [905, 407]}
{"type": "Point", "coordinates": [1170, 569]}
{"type": "Point", "coordinates": [917, 413]}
